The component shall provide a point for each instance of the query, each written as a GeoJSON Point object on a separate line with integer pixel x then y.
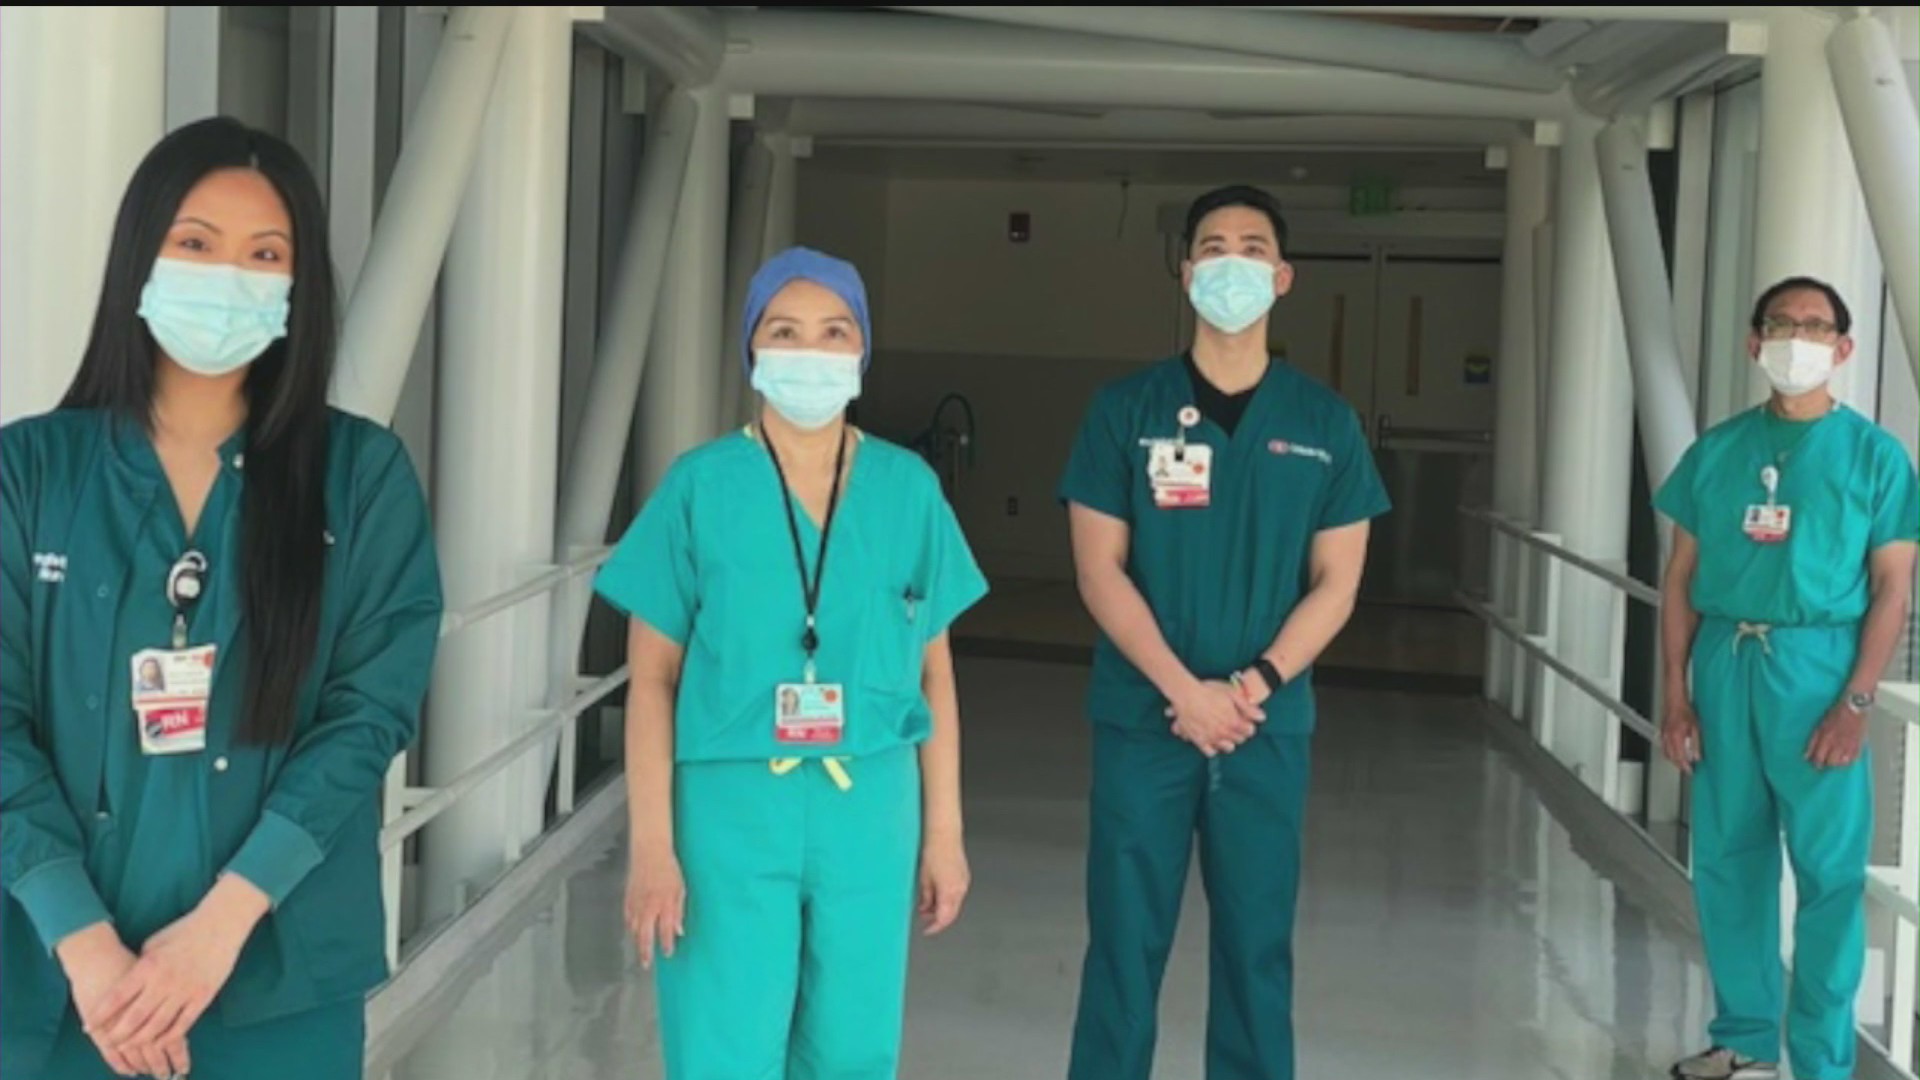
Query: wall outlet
{"type": "Point", "coordinates": [1013, 506]}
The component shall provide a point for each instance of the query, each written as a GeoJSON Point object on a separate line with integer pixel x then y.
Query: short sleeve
{"type": "Point", "coordinates": [952, 581]}
{"type": "Point", "coordinates": [1356, 493]}
{"type": "Point", "coordinates": [652, 574]}
{"type": "Point", "coordinates": [1098, 474]}
{"type": "Point", "coordinates": [1676, 497]}
{"type": "Point", "coordinates": [1896, 499]}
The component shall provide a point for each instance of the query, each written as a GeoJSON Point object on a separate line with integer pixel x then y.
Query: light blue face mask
{"type": "Point", "coordinates": [214, 319]}
{"type": "Point", "coordinates": [808, 387]}
{"type": "Point", "coordinates": [1231, 292]}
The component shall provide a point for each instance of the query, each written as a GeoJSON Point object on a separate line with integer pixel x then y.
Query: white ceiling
{"type": "Point", "coordinates": [1319, 166]}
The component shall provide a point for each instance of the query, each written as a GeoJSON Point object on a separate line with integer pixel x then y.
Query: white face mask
{"type": "Point", "coordinates": [1796, 367]}
{"type": "Point", "coordinates": [807, 386]}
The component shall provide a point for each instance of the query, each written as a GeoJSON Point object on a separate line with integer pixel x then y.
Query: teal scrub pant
{"type": "Point", "coordinates": [1760, 698]}
{"type": "Point", "coordinates": [327, 1043]}
{"type": "Point", "coordinates": [1152, 793]}
{"type": "Point", "coordinates": [799, 913]}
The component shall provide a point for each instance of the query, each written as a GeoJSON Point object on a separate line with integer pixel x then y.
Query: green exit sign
{"type": "Point", "coordinates": [1370, 198]}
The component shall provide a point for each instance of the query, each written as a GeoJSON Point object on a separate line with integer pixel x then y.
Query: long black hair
{"type": "Point", "coordinates": [283, 511]}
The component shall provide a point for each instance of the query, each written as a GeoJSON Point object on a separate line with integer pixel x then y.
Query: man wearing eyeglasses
{"type": "Point", "coordinates": [1788, 587]}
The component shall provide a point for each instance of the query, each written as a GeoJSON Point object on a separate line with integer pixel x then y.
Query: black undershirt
{"type": "Point", "coordinates": [1215, 404]}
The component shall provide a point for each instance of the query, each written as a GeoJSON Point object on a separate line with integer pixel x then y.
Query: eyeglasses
{"type": "Point", "coordinates": [1781, 328]}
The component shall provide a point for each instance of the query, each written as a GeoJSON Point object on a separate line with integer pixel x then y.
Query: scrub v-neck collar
{"type": "Point", "coordinates": [805, 515]}
{"type": "Point", "coordinates": [1186, 369]}
{"type": "Point", "coordinates": [140, 466]}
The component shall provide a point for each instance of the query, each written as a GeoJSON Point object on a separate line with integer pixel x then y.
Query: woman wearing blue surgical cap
{"type": "Point", "coordinates": [793, 730]}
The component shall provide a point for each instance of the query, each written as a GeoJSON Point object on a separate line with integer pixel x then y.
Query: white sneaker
{"type": "Point", "coordinates": [1721, 1063]}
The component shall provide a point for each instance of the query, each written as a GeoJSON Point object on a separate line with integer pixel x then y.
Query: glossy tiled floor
{"type": "Point", "coordinates": [1450, 928]}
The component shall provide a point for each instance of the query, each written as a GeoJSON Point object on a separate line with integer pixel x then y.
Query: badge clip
{"type": "Point", "coordinates": [1189, 417]}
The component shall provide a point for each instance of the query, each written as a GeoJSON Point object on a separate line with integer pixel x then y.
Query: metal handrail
{"type": "Point", "coordinates": [407, 810]}
{"type": "Point", "coordinates": [1594, 690]}
{"type": "Point", "coordinates": [1632, 586]}
{"type": "Point", "coordinates": [1891, 693]}
{"type": "Point", "coordinates": [455, 621]}
{"type": "Point", "coordinates": [1906, 696]}
{"type": "Point", "coordinates": [1884, 885]}
{"type": "Point", "coordinates": [446, 795]}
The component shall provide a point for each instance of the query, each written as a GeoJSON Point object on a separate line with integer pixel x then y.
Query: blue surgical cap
{"type": "Point", "coordinates": [806, 264]}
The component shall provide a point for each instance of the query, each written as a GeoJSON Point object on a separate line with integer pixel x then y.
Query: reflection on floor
{"type": "Point", "coordinates": [1411, 648]}
{"type": "Point", "coordinates": [1450, 928]}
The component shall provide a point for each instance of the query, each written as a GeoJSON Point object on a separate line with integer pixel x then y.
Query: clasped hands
{"type": "Point", "coordinates": [1217, 717]}
{"type": "Point", "coordinates": [139, 1009]}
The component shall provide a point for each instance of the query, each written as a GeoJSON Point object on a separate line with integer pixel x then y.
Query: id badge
{"type": "Point", "coordinates": [171, 688]}
{"type": "Point", "coordinates": [809, 714]}
{"type": "Point", "coordinates": [1768, 523]}
{"type": "Point", "coordinates": [1181, 473]}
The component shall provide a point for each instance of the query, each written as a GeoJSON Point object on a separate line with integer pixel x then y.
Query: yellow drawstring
{"type": "Point", "coordinates": [836, 768]}
{"type": "Point", "coordinates": [1757, 631]}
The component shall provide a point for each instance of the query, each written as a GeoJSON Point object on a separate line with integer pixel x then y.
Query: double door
{"type": "Point", "coordinates": [1409, 342]}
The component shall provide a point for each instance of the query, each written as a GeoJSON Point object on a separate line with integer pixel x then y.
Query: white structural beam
{"type": "Point", "coordinates": [353, 119]}
{"type": "Point", "coordinates": [1543, 309]}
{"type": "Point", "coordinates": [410, 238]}
{"type": "Point", "coordinates": [783, 196]}
{"type": "Point", "coordinates": [1692, 235]}
{"type": "Point", "coordinates": [679, 402]}
{"type": "Point", "coordinates": [898, 122]}
{"type": "Point", "coordinates": [1810, 217]}
{"type": "Point", "coordinates": [881, 55]}
{"type": "Point", "coordinates": [1878, 108]}
{"type": "Point", "coordinates": [746, 240]}
{"type": "Point", "coordinates": [497, 440]}
{"type": "Point", "coordinates": [1588, 461]}
{"type": "Point", "coordinates": [683, 43]}
{"type": "Point", "coordinates": [1672, 61]}
{"type": "Point", "coordinates": [1478, 60]}
{"type": "Point", "coordinates": [783, 188]}
{"type": "Point", "coordinates": [1636, 14]}
{"type": "Point", "coordinates": [193, 63]}
{"type": "Point", "coordinates": [620, 354]}
{"type": "Point", "coordinates": [420, 34]}
{"type": "Point", "coordinates": [1662, 402]}
{"type": "Point", "coordinates": [1516, 426]}
{"type": "Point", "coordinates": [82, 91]}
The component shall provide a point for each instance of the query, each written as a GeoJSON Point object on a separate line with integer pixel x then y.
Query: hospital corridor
{"type": "Point", "coordinates": [1344, 542]}
{"type": "Point", "coordinates": [1451, 925]}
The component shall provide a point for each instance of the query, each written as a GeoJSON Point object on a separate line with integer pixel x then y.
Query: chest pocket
{"type": "Point", "coordinates": [1832, 519]}
{"type": "Point", "coordinates": [895, 614]}
{"type": "Point", "coordinates": [865, 616]}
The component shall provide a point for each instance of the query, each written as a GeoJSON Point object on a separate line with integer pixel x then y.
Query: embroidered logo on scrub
{"type": "Point", "coordinates": [1282, 446]}
{"type": "Point", "coordinates": [49, 567]}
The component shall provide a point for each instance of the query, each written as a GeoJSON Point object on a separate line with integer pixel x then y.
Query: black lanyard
{"type": "Point", "coordinates": [809, 586]}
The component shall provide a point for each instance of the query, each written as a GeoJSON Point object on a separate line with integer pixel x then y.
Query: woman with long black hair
{"type": "Point", "coordinates": [190, 863]}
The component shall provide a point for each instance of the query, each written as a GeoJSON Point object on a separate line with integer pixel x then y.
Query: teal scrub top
{"type": "Point", "coordinates": [709, 563]}
{"type": "Point", "coordinates": [93, 828]}
{"type": "Point", "coordinates": [1221, 580]}
{"type": "Point", "coordinates": [1852, 491]}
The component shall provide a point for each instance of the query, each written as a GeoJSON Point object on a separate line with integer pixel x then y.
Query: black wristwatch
{"type": "Point", "coordinates": [1270, 674]}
